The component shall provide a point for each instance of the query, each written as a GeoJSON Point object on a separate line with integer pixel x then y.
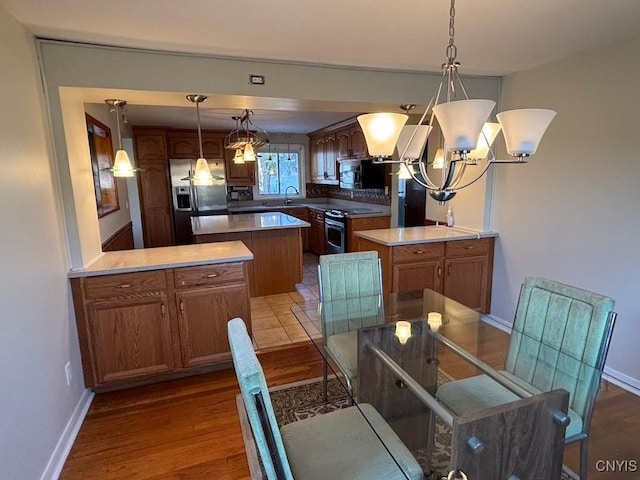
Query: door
{"type": "Point", "coordinates": [414, 204]}
{"type": "Point", "coordinates": [417, 276]}
{"type": "Point", "coordinates": [130, 338]}
{"type": "Point", "coordinates": [203, 314]}
{"type": "Point", "coordinates": [466, 281]}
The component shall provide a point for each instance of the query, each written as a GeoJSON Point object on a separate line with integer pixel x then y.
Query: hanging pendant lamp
{"type": "Point", "coordinates": [122, 167]}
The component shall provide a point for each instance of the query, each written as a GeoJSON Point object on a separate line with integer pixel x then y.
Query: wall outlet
{"type": "Point", "coordinates": [68, 373]}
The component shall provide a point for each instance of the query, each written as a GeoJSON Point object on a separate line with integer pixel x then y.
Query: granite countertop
{"type": "Point", "coordinates": [355, 211]}
{"type": "Point", "coordinates": [248, 222]}
{"type": "Point", "coordinates": [411, 235]}
{"type": "Point", "coordinates": [125, 261]}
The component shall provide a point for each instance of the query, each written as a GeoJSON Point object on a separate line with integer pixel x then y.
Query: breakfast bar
{"type": "Point", "coordinates": [274, 238]}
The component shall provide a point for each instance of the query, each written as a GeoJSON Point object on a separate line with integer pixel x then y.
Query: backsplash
{"type": "Point", "coordinates": [239, 193]}
{"type": "Point", "coordinates": [371, 195]}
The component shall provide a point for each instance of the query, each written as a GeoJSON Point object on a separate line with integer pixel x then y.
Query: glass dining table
{"type": "Point", "coordinates": [395, 351]}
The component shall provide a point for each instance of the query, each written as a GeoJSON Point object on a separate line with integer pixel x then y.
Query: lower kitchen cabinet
{"type": "Point", "coordinates": [357, 224]}
{"type": "Point", "coordinates": [130, 338]}
{"type": "Point", "coordinates": [302, 214]}
{"type": "Point", "coordinates": [317, 243]}
{"type": "Point", "coordinates": [459, 269]}
{"type": "Point", "coordinates": [152, 325]}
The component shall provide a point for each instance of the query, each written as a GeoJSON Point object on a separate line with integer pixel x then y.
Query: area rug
{"type": "Point", "coordinates": [302, 400]}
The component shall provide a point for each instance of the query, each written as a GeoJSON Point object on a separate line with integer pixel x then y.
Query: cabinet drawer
{"type": "Point", "coordinates": [417, 252]}
{"type": "Point", "coordinates": [468, 248]}
{"type": "Point", "coordinates": [222, 274]}
{"type": "Point", "coordinates": [122, 284]}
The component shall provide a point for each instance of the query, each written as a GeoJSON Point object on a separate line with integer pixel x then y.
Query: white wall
{"type": "Point", "coordinates": [37, 332]}
{"type": "Point", "coordinates": [571, 214]}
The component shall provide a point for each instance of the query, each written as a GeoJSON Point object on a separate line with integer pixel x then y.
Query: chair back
{"type": "Point", "coordinates": [350, 287]}
{"type": "Point", "coordinates": [560, 339]}
{"type": "Point", "coordinates": [257, 402]}
{"type": "Point", "coordinates": [349, 275]}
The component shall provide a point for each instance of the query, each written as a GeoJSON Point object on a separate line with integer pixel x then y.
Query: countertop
{"type": "Point", "coordinates": [410, 235]}
{"type": "Point", "coordinates": [164, 257]}
{"type": "Point", "coordinates": [356, 211]}
{"type": "Point", "coordinates": [248, 222]}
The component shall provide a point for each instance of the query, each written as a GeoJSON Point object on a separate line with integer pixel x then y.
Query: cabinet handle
{"type": "Point", "coordinates": [469, 247]}
{"type": "Point", "coordinates": [181, 307]}
{"type": "Point", "coordinates": [449, 271]}
{"type": "Point", "coordinates": [439, 272]}
{"type": "Point", "coordinates": [162, 309]}
{"type": "Point", "coordinates": [124, 285]}
{"type": "Point", "coordinates": [419, 252]}
{"type": "Point", "coordinates": [210, 275]}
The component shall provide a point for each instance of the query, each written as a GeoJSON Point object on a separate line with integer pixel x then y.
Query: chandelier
{"type": "Point", "coordinates": [467, 136]}
{"type": "Point", "coordinates": [246, 137]}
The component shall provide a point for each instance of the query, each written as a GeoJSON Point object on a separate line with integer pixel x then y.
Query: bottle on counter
{"type": "Point", "coordinates": [449, 217]}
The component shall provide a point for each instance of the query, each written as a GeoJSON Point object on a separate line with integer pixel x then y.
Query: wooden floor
{"type": "Point", "coordinates": [189, 428]}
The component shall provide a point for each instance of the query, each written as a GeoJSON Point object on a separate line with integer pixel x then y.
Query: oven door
{"type": "Point", "coordinates": [334, 232]}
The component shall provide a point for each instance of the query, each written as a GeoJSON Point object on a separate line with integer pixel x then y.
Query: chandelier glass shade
{"type": "Point", "coordinates": [467, 133]}
{"type": "Point", "coordinates": [246, 138]}
{"type": "Point", "coordinates": [122, 166]}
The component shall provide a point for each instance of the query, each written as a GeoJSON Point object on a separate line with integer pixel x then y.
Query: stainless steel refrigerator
{"type": "Point", "coordinates": [190, 200]}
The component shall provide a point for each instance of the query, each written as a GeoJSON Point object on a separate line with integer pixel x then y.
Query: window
{"type": "Point", "coordinates": [279, 167]}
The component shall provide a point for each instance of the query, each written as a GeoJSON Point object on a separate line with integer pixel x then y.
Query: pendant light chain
{"type": "Point", "coordinates": [451, 50]}
{"type": "Point", "coordinates": [199, 129]}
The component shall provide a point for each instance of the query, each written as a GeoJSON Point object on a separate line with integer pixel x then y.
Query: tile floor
{"type": "Point", "coordinates": [273, 324]}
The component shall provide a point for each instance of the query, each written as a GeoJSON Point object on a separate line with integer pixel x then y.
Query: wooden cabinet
{"type": "Point", "coordinates": [351, 143]}
{"type": "Point", "coordinates": [185, 145]}
{"type": "Point", "coordinates": [316, 236]}
{"type": "Point", "coordinates": [302, 214]}
{"type": "Point", "coordinates": [460, 269]}
{"type": "Point", "coordinates": [154, 186]}
{"type": "Point", "coordinates": [323, 156]}
{"type": "Point", "coordinates": [238, 174]}
{"type": "Point", "coordinates": [143, 326]}
{"type": "Point", "coordinates": [356, 224]}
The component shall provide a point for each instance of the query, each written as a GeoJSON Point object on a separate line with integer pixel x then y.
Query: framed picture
{"type": "Point", "coordinates": [101, 148]}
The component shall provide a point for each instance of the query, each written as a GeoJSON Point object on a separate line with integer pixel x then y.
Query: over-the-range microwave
{"type": "Point", "coordinates": [361, 174]}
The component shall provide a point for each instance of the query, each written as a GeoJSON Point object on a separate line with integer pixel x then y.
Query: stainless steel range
{"type": "Point", "coordinates": [335, 230]}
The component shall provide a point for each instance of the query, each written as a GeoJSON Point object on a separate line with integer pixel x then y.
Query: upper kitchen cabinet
{"type": "Point", "coordinates": [323, 158]}
{"type": "Point", "coordinates": [185, 145]}
{"type": "Point", "coordinates": [238, 174]}
{"type": "Point", "coordinates": [351, 143]}
{"type": "Point", "coordinates": [153, 186]}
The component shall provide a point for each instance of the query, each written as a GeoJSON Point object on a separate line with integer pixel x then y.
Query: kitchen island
{"type": "Point", "coordinates": [274, 238]}
{"type": "Point", "coordinates": [156, 313]}
{"type": "Point", "coordinates": [451, 260]}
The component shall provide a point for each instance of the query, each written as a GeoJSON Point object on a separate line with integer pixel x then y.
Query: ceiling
{"type": "Point", "coordinates": [494, 37]}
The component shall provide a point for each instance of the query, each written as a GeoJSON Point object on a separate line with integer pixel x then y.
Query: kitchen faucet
{"type": "Point", "coordinates": [287, 200]}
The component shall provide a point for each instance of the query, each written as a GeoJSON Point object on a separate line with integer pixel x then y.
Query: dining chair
{"type": "Point", "coordinates": [350, 286]}
{"type": "Point", "coordinates": [560, 339]}
{"type": "Point", "coordinates": [338, 445]}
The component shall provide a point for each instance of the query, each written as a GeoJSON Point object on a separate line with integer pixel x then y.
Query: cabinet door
{"type": "Point", "coordinates": [182, 145]}
{"type": "Point", "coordinates": [202, 317]}
{"type": "Point", "coordinates": [212, 147]}
{"type": "Point", "coordinates": [150, 146]}
{"type": "Point", "coordinates": [130, 338]}
{"type": "Point", "coordinates": [302, 214]}
{"type": "Point", "coordinates": [242, 174]}
{"type": "Point", "coordinates": [316, 240]}
{"type": "Point", "coordinates": [319, 158]}
{"type": "Point", "coordinates": [343, 144]}
{"type": "Point", "coordinates": [467, 281]}
{"type": "Point", "coordinates": [368, 223]}
{"type": "Point", "coordinates": [416, 276]}
{"type": "Point", "coordinates": [358, 143]}
{"type": "Point", "coordinates": [153, 185]}
{"type": "Point", "coordinates": [330, 156]}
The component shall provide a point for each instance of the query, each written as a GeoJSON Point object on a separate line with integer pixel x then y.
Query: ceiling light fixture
{"type": "Point", "coordinates": [246, 138]}
{"type": "Point", "coordinates": [467, 138]}
{"type": "Point", "coordinates": [122, 166]}
{"type": "Point", "coordinates": [202, 175]}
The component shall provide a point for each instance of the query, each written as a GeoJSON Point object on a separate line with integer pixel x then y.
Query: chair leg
{"type": "Point", "coordinates": [584, 464]}
{"type": "Point", "coordinates": [324, 380]}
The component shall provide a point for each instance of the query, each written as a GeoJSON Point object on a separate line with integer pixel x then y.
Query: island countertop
{"type": "Point", "coordinates": [142, 259]}
{"type": "Point", "coordinates": [412, 235]}
{"type": "Point", "coordinates": [249, 222]}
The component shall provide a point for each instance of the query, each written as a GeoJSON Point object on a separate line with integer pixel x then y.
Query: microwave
{"type": "Point", "coordinates": [361, 174]}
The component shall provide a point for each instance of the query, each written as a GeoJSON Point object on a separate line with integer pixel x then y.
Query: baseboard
{"type": "Point", "coordinates": [497, 322]}
{"type": "Point", "coordinates": [619, 379]}
{"type": "Point", "coordinates": [63, 447]}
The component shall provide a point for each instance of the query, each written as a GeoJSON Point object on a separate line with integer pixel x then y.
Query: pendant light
{"type": "Point", "coordinates": [202, 175]}
{"type": "Point", "coordinates": [122, 166]}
